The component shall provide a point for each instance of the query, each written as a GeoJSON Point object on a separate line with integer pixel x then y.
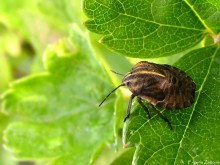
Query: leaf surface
{"type": "Point", "coordinates": [195, 136]}
{"type": "Point", "coordinates": [140, 28]}
{"type": "Point", "coordinates": [208, 12]}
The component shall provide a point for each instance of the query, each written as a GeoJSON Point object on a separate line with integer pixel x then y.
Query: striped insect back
{"type": "Point", "coordinates": [144, 81]}
{"type": "Point", "coordinates": [162, 86]}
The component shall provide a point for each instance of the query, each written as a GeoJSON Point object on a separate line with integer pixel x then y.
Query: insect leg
{"type": "Point", "coordinates": [143, 106]}
{"type": "Point", "coordinates": [129, 107]}
{"type": "Point", "coordinates": [161, 116]}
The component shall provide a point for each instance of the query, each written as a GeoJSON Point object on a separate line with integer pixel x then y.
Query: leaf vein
{"type": "Point", "coordinates": [142, 19]}
{"type": "Point", "coordinates": [198, 16]}
{"type": "Point", "coordinates": [159, 151]}
{"type": "Point", "coordinates": [193, 110]}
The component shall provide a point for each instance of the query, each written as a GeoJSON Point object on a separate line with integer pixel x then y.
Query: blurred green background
{"type": "Point", "coordinates": [26, 29]}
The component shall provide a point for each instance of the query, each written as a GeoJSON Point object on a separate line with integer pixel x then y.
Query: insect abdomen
{"type": "Point", "coordinates": [179, 89]}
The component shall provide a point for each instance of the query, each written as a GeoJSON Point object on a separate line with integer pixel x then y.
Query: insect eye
{"type": "Point", "coordinates": [128, 83]}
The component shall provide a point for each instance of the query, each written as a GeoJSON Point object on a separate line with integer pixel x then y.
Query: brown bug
{"type": "Point", "coordinates": [162, 86]}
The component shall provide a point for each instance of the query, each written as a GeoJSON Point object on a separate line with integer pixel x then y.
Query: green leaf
{"type": "Point", "coordinates": [125, 158]}
{"type": "Point", "coordinates": [57, 110]}
{"type": "Point", "coordinates": [138, 28]}
{"type": "Point", "coordinates": [195, 136]}
{"type": "Point", "coordinates": [208, 11]}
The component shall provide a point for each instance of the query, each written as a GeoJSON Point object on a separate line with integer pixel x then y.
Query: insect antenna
{"type": "Point", "coordinates": [110, 94]}
{"type": "Point", "coordinates": [117, 73]}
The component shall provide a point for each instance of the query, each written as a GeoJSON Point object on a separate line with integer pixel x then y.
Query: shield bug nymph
{"type": "Point", "coordinates": [163, 86]}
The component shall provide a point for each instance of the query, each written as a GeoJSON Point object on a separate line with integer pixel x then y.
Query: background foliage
{"type": "Point", "coordinates": [55, 73]}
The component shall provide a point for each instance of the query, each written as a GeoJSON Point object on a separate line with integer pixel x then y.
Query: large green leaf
{"type": "Point", "coordinates": [195, 137]}
{"type": "Point", "coordinates": [144, 28]}
{"type": "Point", "coordinates": [56, 111]}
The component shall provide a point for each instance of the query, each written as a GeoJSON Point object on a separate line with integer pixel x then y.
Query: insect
{"type": "Point", "coordinates": [163, 86]}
